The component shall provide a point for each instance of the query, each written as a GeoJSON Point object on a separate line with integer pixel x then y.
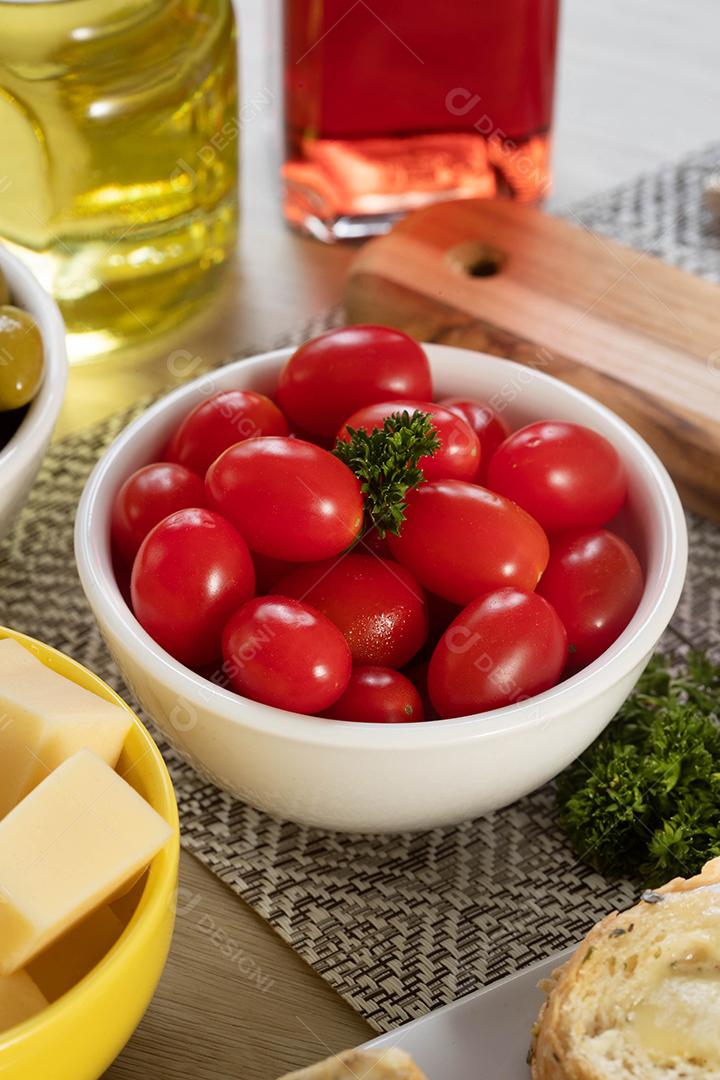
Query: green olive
{"type": "Point", "coordinates": [21, 357]}
{"type": "Point", "coordinates": [4, 291]}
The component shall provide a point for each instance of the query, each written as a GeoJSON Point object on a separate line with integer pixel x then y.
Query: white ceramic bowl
{"type": "Point", "coordinates": [20, 458]}
{"type": "Point", "coordinates": [374, 777]}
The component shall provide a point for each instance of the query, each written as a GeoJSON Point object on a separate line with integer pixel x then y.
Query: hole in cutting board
{"type": "Point", "coordinates": [476, 259]}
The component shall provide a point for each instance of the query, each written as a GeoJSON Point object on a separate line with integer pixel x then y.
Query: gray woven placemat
{"type": "Point", "coordinates": [397, 924]}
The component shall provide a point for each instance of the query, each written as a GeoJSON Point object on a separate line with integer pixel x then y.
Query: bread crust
{"type": "Point", "coordinates": [554, 1034]}
{"type": "Point", "coordinates": [391, 1064]}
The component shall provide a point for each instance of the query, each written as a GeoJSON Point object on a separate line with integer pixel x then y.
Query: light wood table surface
{"type": "Point", "coordinates": [638, 86]}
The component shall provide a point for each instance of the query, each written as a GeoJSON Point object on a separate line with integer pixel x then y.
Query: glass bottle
{"type": "Point", "coordinates": [118, 177]}
{"type": "Point", "coordinates": [390, 106]}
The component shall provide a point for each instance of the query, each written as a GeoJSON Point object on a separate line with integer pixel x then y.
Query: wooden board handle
{"type": "Point", "coordinates": [638, 335]}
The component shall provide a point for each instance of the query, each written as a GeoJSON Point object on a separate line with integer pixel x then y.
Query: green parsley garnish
{"type": "Point", "coordinates": [645, 797]}
{"type": "Point", "coordinates": [385, 460]}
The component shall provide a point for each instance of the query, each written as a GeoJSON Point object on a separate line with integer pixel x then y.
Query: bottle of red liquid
{"type": "Point", "coordinates": [394, 104]}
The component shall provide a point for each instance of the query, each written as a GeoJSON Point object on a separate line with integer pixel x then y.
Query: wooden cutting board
{"type": "Point", "coordinates": [638, 335]}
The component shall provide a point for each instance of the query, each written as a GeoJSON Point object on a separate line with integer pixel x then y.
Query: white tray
{"type": "Point", "coordinates": [484, 1036]}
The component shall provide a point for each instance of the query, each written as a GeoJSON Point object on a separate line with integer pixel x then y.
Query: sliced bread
{"type": "Point", "coordinates": [391, 1064]}
{"type": "Point", "coordinates": [640, 998]}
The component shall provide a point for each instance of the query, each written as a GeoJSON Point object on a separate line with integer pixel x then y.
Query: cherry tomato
{"type": "Point", "coordinates": [269, 570]}
{"type": "Point", "coordinates": [441, 613]}
{"type": "Point", "coordinates": [457, 457]}
{"type": "Point", "coordinates": [191, 572]}
{"type": "Point", "coordinates": [147, 497]}
{"type": "Point", "coordinates": [122, 571]}
{"type": "Point", "coordinates": [460, 540]}
{"type": "Point", "coordinates": [286, 654]}
{"type": "Point", "coordinates": [378, 695]}
{"type": "Point", "coordinates": [594, 582]}
{"type": "Point", "coordinates": [330, 377]}
{"type": "Point", "coordinates": [374, 542]}
{"type": "Point", "coordinates": [504, 647]}
{"type": "Point", "coordinates": [377, 604]}
{"type": "Point", "coordinates": [417, 674]}
{"type": "Point", "coordinates": [490, 429]}
{"type": "Point", "coordinates": [564, 474]}
{"type": "Point", "coordinates": [223, 420]}
{"type": "Point", "coordinates": [289, 499]}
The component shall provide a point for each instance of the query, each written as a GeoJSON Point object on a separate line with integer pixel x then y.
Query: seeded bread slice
{"type": "Point", "coordinates": [640, 997]}
{"type": "Point", "coordinates": [391, 1064]}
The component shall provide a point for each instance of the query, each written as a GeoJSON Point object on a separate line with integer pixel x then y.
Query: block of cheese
{"type": "Point", "coordinates": [66, 849]}
{"type": "Point", "coordinates": [20, 998]}
{"type": "Point", "coordinates": [71, 957]}
{"type": "Point", "coordinates": [44, 718]}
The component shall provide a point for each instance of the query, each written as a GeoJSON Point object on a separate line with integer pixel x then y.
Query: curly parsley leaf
{"type": "Point", "coordinates": [646, 794]}
{"type": "Point", "coordinates": [385, 460]}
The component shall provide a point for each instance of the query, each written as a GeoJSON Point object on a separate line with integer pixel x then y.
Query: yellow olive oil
{"type": "Point", "coordinates": [118, 171]}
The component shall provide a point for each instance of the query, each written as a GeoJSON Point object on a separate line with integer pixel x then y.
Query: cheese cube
{"type": "Point", "coordinates": [66, 849]}
{"type": "Point", "coordinates": [68, 960]}
{"type": "Point", "coordinates": [20, 999]}
{"type": "Point", "coordinates": [44, 719]}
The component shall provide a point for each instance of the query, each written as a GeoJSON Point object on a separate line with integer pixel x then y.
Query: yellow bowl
{"type": "Point", "coordinates": [79, 1035]}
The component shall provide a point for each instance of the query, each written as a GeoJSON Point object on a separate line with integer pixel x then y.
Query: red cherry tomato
{"type": "Point", "coordinates": [490, 429]}
{"type": "Point", "coordinates": [147, 497]}
{"type": "Point", "coordinates": [460, 540]}
{"type": "Point", "coordinates": [191, 572]}
{"type": "Point", "coordinates": [378, 695]}
{"type": "Point", "coordinates": [374, 542]}
{"type": "Point", "coordinates": [594, 582]}
{"type": "Point", "coordinates": [504, 647]}
{"type": "Point", "coordinates": [289, 499]}
{"type": "Point", "coordinates": [377, 604]}
{"type": "Point", "coordinates": [459, 453]}
{"type": "Point", "coordinates": [441, 613]}
{"type": "Point", "coordinates": [223, 420]}
{"type": "Point", "coordinates": [417, 674]}
{"type": "Point", "coordinates": [565, 475]}
{"type": "Point", "coordinates": [122, 570]}
{"type": "Point", "coordinates": [269, 570]}
{"type": "Point", "coordinates": [330, 377]}
{"type": "Point", "coordinates": [286, 654]}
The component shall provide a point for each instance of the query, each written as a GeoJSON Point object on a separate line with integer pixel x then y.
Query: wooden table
{"type": "Point", "coordinates": [638, 86]}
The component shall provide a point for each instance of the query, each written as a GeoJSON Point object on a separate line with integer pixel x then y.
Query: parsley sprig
{"type": "Point", "coordinates": [645, 797]}
{"type": "Point", "coordinates": [385, 460]}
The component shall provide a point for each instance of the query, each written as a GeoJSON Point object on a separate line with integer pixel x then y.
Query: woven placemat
{"type": "Point", "coordinates": [397, 924]}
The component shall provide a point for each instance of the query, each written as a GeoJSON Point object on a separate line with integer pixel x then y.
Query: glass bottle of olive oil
{"type": "Point", "coordinates": [118, 157]}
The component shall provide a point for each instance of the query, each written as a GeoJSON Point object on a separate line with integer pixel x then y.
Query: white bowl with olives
{"type": "Point", "coordinates": [33, 372]}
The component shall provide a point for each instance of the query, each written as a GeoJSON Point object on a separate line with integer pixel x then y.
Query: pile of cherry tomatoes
{"type": "Point", "coordinates": [252, 558]}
